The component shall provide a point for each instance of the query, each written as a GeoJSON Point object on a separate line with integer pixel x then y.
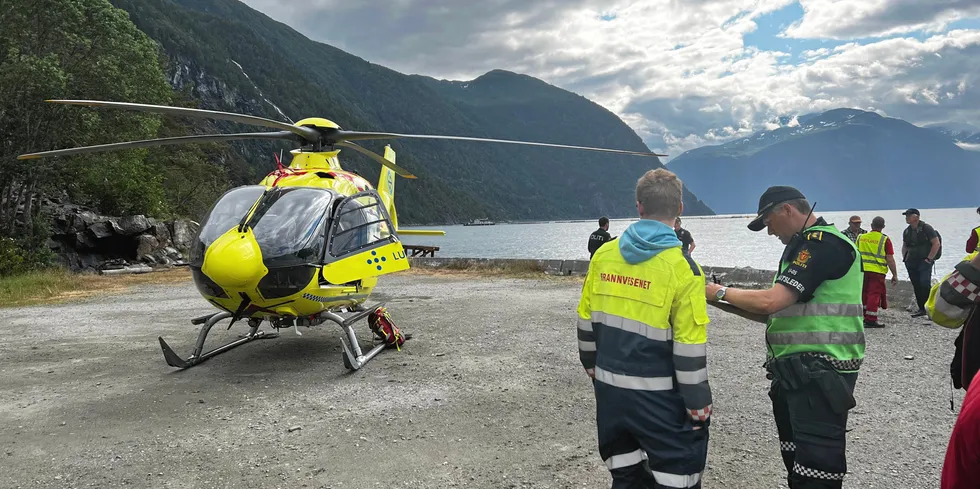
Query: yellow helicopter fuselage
{"type": "Point", "coordinates": [344, 229]}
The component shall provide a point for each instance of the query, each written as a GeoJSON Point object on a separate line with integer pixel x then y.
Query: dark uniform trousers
{"type": "Point", "coordinates": [647, 439]}
{"type": "Point", "coordinates": [811, 434]}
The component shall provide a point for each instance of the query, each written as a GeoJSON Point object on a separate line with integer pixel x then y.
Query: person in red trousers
{"type": "Point", "coordinates": [877, 257]}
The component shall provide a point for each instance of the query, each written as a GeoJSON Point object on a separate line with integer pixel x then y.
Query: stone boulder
{"type": "Point", "coordinates": [87, 241]}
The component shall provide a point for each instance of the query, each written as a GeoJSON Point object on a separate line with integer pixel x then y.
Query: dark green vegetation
{"type": "Point", "coordinates": [83, 49]}
{"type": "Point", "coordinates": [844, 159]}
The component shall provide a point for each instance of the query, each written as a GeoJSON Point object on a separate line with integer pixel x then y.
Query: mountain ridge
{"type": "Point", "coordinates": [848, 159]}
{"type": "Point", "coordinates": [234, 58]}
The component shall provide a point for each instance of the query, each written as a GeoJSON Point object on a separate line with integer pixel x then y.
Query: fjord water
{"type": "Point", "coordinates": [722, 241]}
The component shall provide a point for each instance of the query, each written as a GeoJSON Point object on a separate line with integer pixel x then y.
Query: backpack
{"type": "Point", "coordinates": [939, 252]}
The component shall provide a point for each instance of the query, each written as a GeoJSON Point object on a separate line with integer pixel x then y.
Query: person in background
{"type": "Point", "coordinates": [853, 229]}
{"type": "Point", "coordinates": [600, 236]}
{"type": "Point", "coordinates": [920, 243]}
{"type": "Point", "coordinates": [877, 257]}
{"type": "Point", "coordinates": [952, 303]}
{"type": "Point", "coordinates": [814, 336]}
{"type": "Point", "coordinates": [687, 241]}
{"type": "Point", "coordinates": [973, 242]}
{"type": "Point", "coordinates": [642, 338]}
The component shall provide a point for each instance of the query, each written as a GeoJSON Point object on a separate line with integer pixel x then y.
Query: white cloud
{"type": "Point", "coordinates": [847, 19]}
{"type": "Point", "coordinates": [678, 72]}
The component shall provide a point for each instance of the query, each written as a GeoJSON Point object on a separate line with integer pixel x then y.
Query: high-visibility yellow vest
{"type": "Point", "coordinates": [872, 248]}
{"type": "Point", "coordinates": [976, 231]}
{"type": "Point", "coordinates": [831, 324]}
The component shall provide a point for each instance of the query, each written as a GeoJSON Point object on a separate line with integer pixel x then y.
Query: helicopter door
{"type": "Point", "coordinates": [360, 241]}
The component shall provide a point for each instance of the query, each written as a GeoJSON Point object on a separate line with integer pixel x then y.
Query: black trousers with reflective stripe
{"type": "Point", "coordinates": [655, 423]}
{"type": "Point", "coordinates": [811, 436]}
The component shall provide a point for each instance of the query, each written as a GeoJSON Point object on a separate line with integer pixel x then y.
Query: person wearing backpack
{"type": "Point", "coordinates": [920, 248]}
{"type": "Point", "coordinates": [953, 304]}
{"type": "Point", "coordinates": [973, 242]}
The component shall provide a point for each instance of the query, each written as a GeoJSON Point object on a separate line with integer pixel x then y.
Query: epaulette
{"type": "Point", "coordinates": [814, 236]}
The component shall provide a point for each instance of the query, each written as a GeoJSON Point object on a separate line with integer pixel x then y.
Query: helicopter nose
{"type": "Point", "coordinates": [234, 260]}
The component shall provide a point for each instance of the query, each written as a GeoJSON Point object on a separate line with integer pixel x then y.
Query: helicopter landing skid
{"type": "Point", "coordinates": [353, 357]}
{"type": "Point", "coordinates": [209, 321]}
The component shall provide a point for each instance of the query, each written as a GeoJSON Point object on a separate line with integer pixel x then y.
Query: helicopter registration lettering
{"type": "Point", "coordinates": [621, 279]}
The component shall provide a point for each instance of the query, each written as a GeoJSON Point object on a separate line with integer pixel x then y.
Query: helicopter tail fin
{"type": "Point", "coordinates": [386, 189]}
{"type": "Point", "coordinates": [386, 186]}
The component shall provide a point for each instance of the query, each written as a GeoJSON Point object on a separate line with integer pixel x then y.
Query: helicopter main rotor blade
{"type": "Point", "coordinates": [376, 157]}
{"type": "Point", "coordinates": [308, 133]}
{"type": "Point", "coordinates": [341, 135]}
{"type": "Point", "coordinates": [286, 135]}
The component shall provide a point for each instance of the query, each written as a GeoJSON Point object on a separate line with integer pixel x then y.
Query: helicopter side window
{"type": "Point", "coordinates": [359, 222]}
{"type": "Point", "coordinates": [225, 214]}
{"type": "Point", "coordinates": [289, 225]}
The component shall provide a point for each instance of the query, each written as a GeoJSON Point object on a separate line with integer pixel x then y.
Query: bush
{"type": "Point", "coordinates": [18, 256]}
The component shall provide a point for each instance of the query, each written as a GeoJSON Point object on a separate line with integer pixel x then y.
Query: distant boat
{"type": "Point", "coordinates": [480, 222]}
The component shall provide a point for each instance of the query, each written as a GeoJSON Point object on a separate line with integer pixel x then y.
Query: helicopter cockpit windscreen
{"type": "Point", "coordinates": [289, 225]}
{"type": "Point", "coordinates": [226, 213]}
{"type": "Point", "coordinates": [358, 223]}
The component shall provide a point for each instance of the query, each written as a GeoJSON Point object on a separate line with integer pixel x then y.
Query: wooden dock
{"type": "Point", "coordinates": [420, 250]}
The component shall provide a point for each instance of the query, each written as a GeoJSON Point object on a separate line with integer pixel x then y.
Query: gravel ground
{"type": "Point", "coordinates": [489, 393]}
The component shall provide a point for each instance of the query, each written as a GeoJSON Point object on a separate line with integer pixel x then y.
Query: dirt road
{"type": "Point", "coordinates": [488, 394]}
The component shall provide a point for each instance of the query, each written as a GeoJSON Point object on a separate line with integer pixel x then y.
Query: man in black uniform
{"type": "Point", "coordinates": [687, 241]}
{"type": "Point", "coordinates": [599, 236]}
{"type": "Point", "coordinates": [920, 243]}
{"type": "Point", "coordinates": [814, 336]}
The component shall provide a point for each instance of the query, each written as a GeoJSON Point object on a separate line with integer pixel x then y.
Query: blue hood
{"type": "Point", "coordinates": [643, 239]}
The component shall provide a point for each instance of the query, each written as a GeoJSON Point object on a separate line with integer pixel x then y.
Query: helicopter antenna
{"type": "Point", "coordinates": [278, 158]}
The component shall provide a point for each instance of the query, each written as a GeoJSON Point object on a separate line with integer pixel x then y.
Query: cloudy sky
{"type": "Point", "coordinates": [681, 73]}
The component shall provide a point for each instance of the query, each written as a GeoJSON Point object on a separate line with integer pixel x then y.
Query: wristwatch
{"type": "Point", "coordinates": [720, 295]}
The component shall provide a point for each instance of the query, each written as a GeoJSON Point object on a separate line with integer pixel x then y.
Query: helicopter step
{"type": "Point", "coordinates": [209, 321]}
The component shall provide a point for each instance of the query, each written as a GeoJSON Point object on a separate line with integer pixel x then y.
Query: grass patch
{"type": "Point", "coordinates": [488, 268]}
{"type": "Point", "coordinates": [57, 285]}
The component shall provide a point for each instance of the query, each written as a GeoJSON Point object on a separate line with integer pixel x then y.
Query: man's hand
{"type": "Point", "coordinates": [710, 290]}
{"type": "Point", "coordinates": [894, 280]}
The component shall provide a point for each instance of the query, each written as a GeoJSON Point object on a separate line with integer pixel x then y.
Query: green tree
{"type": "Point", "coordinates": [75, 49]}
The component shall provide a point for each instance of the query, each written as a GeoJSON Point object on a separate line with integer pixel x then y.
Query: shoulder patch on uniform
{"type": "Point", "coordinates": [802, 258]}
{"type": "Point", "coordinates": [693, 264]}
{"type": "Point", "coordinates": [814, 236]}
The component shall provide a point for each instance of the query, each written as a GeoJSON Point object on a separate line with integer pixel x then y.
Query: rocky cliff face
{"type": "Point", "coordinates": [88, 242]}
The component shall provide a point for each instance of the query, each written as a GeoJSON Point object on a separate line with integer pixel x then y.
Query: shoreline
{"type": "Point", "coordinates": [741, 277]}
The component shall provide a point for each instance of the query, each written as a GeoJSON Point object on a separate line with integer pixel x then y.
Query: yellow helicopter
{"type": "Point", "coordinates": [305, 245]}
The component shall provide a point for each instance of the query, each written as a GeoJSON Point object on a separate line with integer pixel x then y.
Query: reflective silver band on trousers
{"type": "Point", "coordinates": [663, 478]}
{"type": "Point", "coordinates": [807, 309]}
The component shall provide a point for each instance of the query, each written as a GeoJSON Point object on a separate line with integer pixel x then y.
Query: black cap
{"type": "Point", "coordinates": [911, 211]}
{"type": "Point", "coordinates": [770, 198]}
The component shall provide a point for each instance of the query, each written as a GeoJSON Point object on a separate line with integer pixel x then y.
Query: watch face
{"type": "Point", "coordinates": [720, 293]}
